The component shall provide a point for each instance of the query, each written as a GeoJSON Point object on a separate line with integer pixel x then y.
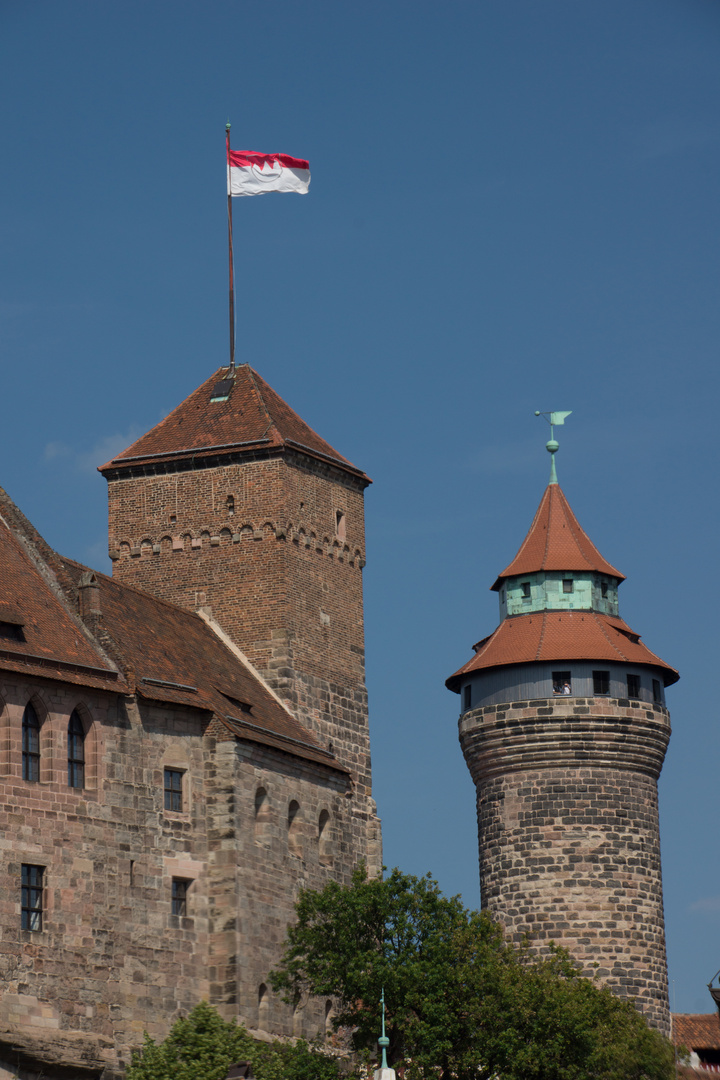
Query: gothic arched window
{"type": "Point", "coordinates": [76, 752]}
{"type": "Point", "coordinates": [30, 744]}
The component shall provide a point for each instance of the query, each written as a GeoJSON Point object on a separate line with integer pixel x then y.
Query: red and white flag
{"type": "Point", "coordinates": [250, 173]}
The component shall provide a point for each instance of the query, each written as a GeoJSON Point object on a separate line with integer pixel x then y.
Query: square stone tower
{"type": "Point", "coordinates": [234, 504]}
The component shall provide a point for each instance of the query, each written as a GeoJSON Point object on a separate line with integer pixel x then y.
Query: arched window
{"type": "Point", "coordinates": [329, 1013]}
{"type": "Point", "coordinates": [293, 824]}
{"type": "Point", "coordinates": [263, 817]}
{"type": "Point", "coordinates": [324, 837]}
{"type": "Point", "coordinates": [30, 745]}
{"type": "Point", "coordinates": [263, 1007]}
{"type": "Point", "coordinates": [76, 752]}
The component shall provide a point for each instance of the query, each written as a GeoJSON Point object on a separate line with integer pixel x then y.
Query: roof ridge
{"type": "Point", "coordinates": [538, 652]}
{"type": "Point", "coordinates": [263, 405]}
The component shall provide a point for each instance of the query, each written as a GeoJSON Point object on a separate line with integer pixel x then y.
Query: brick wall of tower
{"type": "Point", "coordinates": [277, 575]}
{"type": "Point", "coordinates": [569, 835]}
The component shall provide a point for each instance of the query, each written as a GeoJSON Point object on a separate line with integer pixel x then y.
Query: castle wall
{"type": "Point", "coordinates": [569, 835]}
{"type": "Point", "coordinates": [111, 960]}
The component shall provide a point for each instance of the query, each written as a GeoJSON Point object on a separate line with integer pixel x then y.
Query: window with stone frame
{"type": "Point", "coordinates": [31, 897]}
{"type": "Point", "coordinates": [30, 745]}
{"type": "Point", "coordinates": [76, 751]}
{"type": "Point", "coordinates": [174, 789]}
{"type": "Point", "coordinates": [179, 896]}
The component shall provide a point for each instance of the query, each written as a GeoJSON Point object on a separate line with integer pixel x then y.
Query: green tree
{"type": "Point", "coordinates": [461, 1002]}
{"type": "Point", "coordinates": [202, 1046]}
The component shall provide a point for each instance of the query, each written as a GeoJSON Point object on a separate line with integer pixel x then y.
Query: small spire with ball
{"type": "Point", "coordinates": [554, 419]}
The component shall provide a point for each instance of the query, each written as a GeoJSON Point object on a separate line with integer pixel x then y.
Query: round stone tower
{"type": "Point", "coordinates": [564, 729]}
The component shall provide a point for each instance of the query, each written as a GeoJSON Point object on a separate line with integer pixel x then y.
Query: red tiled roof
{"type": "Point", "coordinates": [176, 657]}
{"type": "Point", "coordinates": [556, 542]}
{"type": "Point", "coordinates": [696, 1031]}
{"type": "Point", "coordinates": [252, 416]}
{"type": "Point", "coordinates": [55, 643]}
{"type": "Point", "coordinates": [140, 644]}
{"type": "Point", "coordinates": [558, 636]}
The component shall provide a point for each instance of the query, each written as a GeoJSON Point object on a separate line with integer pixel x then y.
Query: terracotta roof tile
{"type": "Point", "coordinates": [253, 416]}
{"type": "Point", "coordinates": [557, 636]}
{"type": "Point", "coordinates": [51, 641]}
{"type": "Point", "coordinates": [696, 1031]}
{"type": "Point", "coordinates": [140, 644]}
{"type": "Point", "coordinates": [556, 541]}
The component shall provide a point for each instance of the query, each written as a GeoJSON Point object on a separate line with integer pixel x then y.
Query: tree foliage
{"type": "Point", "coordinates": [461, 1002]}
{"type": "Point", "coordinates": [202, 1046]}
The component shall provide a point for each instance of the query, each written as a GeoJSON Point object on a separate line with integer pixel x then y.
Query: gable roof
{"type": "Point", "coordinates": [251, 416]}
{"type": "Point", "coordinates": [52, 641]}
{"type": "Point", "coordinates": [140, 644]}
{"type": "Point", "coordinates": [555, 541]}
{"type": "Point", "coordinates": [550, 636]}
{"type": "Point", "coordinates": [696, 1031]}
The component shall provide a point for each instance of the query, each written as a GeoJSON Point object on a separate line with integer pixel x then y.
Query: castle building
{"type": "Point", "coordinates": [564, 729]}
{"type": "Point", "coordinates": [184, 744]}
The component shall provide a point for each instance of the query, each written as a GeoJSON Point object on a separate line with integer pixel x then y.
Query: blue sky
{"type": "Point", "coordinates": [513, 207]}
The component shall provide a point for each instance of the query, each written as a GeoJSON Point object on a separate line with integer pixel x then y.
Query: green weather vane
{"type": "Point", "coordinates": [554, 419]}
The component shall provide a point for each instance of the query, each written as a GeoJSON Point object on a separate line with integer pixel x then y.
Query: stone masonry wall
{"type": "Point", "coordinates": [259, 543]}
{"type": "Point", "coordinates": [569, 835]}
{"type": "Point", "coordinates": [111, 960]}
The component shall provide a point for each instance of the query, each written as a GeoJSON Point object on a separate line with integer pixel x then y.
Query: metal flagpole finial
{"type": "Point", "coordinates": [554, 419]}
{"type": "Point", "coordinates": [383, 1041]}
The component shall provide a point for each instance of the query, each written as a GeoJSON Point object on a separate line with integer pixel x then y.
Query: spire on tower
{"type": "Point", "coordinates": [554, 419]}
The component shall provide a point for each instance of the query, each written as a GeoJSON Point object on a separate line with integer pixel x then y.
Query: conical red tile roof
{"type": "Point", "coordinates": [550, 636]}
{"type": "Point", "coordinates": [556, 542]}
{"type": "Point", "coordinates": [253, 415]}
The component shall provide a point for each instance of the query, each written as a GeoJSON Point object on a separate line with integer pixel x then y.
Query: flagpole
{"type": "Point", "coordinates": [231, 369]}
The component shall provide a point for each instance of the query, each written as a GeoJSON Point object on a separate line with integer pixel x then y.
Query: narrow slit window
{"type": "Point", "coordinates": [179, 895]}
{"type": "Point", "coordinates": [467, 697]}
{"type": "Point", "coordinates": [76, 752]}
{"type": "Point", "coordinates": [30, 745]}
{"type": "Point", "coordinates": [633, 686]}
{"type": "Point", "coordinates": [525, 590]}
{"type": "Point", "coordinates": [173, 789]}
{"type": "Point", "coordinates": [340, 524]}
{"type": "Point", "coordinates": [601, 682]}
{"type": "Point", "coordinates": [604, 589]}
{"type": "Point", "coordinates": [31, 902]}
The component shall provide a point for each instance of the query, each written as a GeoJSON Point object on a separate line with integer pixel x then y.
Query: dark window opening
{"type": "Point", "coordinates": [173, 789]}
{"type": "Point", "coordinates": [568, 585]}
{"type": "Point", "coordinates": [76, 752]}
{"type": "Point", "coordinates": [633, 686]}
{"type": "Point", "coordinates": [241, 705]}
{"type": "Point", "coordinates": [657, 691]}
{"type": "Point", "coordinates": [601, 682]}
{"type": "Point", "coordinates": [604, 589]}
{"type": "Point", "coordinates": [230, 504]}
{"type": "Point", "coordinates": [179, 895]}
{"type": "Point", "coordinates": [11, 632]}
{"type": "Point", "coordinates": [502, 596]}
{"type": "Point", "coordinates": [31, 903]}
{"type": "Point", "coordinates": [526, 590]}
{"type": "Point", "coordinates": [467, 696]}
{"type": "Point", "coordinates": [562, 682]}
{"type": "Point", "coordinates": [30, 745]}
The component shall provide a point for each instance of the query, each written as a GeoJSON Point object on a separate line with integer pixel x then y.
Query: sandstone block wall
{"type": "Point", "coordinates": [569, 835]}
{"type": "Point", "coordinates": [111, 960]}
